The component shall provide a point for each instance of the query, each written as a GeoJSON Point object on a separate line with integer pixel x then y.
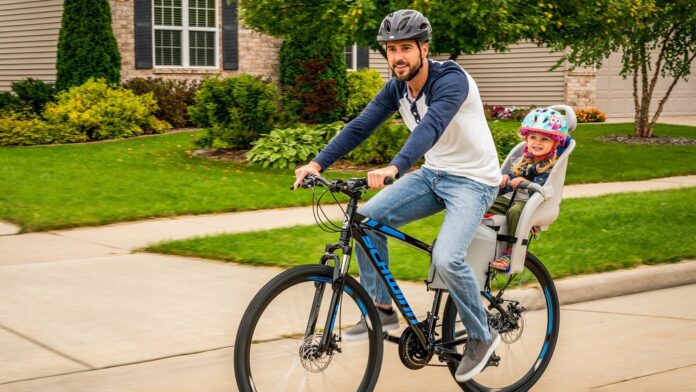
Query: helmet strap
{"type": "Point", "coordinates": [413, 74]}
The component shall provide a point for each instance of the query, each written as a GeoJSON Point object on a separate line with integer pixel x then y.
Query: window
{"type": "Point", "coordinates": [351, 54]}
{"type": "Point", "coordinates": [185, 33]}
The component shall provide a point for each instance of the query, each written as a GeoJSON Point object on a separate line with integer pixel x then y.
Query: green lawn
{"type": "Point", "coordinates": [591, 235]}
{"type": "Point", "coordinates": [63, 186]}
{"type": "Point", "coordinates": [50, 187]}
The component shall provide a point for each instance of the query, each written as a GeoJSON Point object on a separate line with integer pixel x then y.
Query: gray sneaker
{"type": "Point", "coordinates": [359, 331]}
{"type": "Point", "coordinates": [476, 355]}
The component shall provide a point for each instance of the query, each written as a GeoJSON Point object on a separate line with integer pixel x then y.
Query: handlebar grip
{"type": "Point", "coordinates": [388, 180]}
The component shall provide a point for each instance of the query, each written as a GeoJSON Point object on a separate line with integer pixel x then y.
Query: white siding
{"type": "Point", "coordinates": [28, 40]}
{"type": "Point", "coordinates": [615, 94]}
{"type": "Point", "coordinates": [520, 76]}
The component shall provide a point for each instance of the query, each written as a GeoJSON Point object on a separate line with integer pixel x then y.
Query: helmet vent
{"type": "Point", "coordinates": [387, 26]}
{"type": "Point", "coordinates": [402, 24]}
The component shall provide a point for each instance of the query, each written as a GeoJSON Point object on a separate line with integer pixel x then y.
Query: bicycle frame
{"type": "Point", "coordinates": [355, 227]}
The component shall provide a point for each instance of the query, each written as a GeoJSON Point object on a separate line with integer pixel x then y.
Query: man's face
{"type": "Point", "coordinates": [405, 58]}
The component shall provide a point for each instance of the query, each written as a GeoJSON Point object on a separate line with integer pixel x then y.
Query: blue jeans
{"type": "Point", "coordinates": [421, 194]}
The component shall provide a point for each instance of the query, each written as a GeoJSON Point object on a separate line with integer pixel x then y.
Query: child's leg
{"type": "Point", "coordinates": [499, 206]}
{"type": "Point", "coordinates": [502, 263]}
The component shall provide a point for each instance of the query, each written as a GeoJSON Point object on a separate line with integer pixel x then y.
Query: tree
{"type": "Point", "coordinates": [459, 26]}
{"type": "Point", "coordinates": [312, 65]}
{"type": "Point", "coordinates": [656, 37]}
{"type": "Point", "coordinates": [86, 44]}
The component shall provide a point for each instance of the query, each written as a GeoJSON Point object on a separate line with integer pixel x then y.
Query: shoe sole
{"type": "Point", "coordinates": [478, 368]}
{"type": "Point", "coordinates": [363, 336]}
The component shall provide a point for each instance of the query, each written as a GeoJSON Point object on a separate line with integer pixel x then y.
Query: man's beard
{"type": "Point", "coordinates": [412, 71]}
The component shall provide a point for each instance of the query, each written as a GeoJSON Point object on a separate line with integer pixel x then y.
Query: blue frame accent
{"type": "Point", "coordinates": [348, 291]}
{"type": "Point", "coordinates": [396, 292]}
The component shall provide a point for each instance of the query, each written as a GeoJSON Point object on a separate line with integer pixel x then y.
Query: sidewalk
{"type": "Point", "coordinates": [122, 238]}
{"type": "Point", "coordinates": [80, 312]}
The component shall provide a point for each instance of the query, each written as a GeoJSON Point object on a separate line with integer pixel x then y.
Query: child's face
{"type": "Point", "coordinates": [539, 144]}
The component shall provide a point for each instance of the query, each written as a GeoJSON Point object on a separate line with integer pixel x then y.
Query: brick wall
{"type": "Point", "coordinates": [581, 87]}
{"type": "Point", "coordinates": [258, 53]}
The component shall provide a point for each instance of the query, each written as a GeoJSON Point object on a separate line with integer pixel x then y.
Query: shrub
{"type": "Point", "coordinates": [284, 148]}
{"type": "Point", "coordinates": [86, 44]}
{"type": "Point", "coordinates": [16, 130]}
{"type": "Point", "coordinates": [361, 87]}
{"type": "Point", "coordinates": [313, 78]}
{"type": "Point", "coordinates": [173, 97]}
{"type": "Point", "coordinates": [100, 112]}
{"type": "Point", "coordinates": [34, 94]}
{"type": "Point", "coordinates": [236, 110]}
{"type": "Point", "coordinates": [590, 115]}
{"type": "Point", "coordinates": [505, 138]}
{"type": "Point", "coordinates": [8, 101]}
{"type": "Point", "coordinates": [381, 146]}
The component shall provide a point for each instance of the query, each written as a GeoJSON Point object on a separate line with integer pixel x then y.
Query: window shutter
{"type": "Point", "coordinates": [230, 36]}
{"type": "Point", "coordinates": [363, 57]}
{"type": "Point", "coordinates": [143, 34]}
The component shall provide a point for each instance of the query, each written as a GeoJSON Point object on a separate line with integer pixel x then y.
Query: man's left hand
{"type": "Point", "coordinates": [375, 178]}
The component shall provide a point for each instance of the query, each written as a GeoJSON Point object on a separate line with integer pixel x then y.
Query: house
{"type": "Point", "coordinates": [198, 38]}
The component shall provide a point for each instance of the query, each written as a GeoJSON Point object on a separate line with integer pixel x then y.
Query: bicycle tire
{"type": "Point", "coordinates": [252, 373]}
{"type": "Point", "coordinates": [534, 289]}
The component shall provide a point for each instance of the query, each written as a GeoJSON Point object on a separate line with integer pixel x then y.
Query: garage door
{"type": "Point", "coordinates": [615, 94]}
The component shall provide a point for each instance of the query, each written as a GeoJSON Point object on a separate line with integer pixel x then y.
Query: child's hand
{"type": "Point", "coordinates": [516, 181]}
{"type": "Point", "coordinates": [506, 178]}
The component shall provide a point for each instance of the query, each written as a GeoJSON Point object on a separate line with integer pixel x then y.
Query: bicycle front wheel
{"type": "Point", "coordinates": [528, 330]}
{"type": "Point", "coordinates": [278, 345]}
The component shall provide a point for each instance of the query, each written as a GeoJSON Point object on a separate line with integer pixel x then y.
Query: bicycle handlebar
{"type": "Point", "coordinates": [339, 185]}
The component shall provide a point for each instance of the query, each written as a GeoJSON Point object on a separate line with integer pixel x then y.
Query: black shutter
{"type": "Point", "coordinates": [230, 36]}
{"type": "Point", "coordinates": [363, 57]}
{"type": "Point", "coordinates": [143, 34]}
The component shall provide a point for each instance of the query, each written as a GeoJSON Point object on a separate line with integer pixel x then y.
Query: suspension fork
{"type": "Point", "coordinates": [338, 281]}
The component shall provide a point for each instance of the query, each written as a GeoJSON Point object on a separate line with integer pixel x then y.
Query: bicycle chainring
{"type": "Point", "coordinates": [411, 352]}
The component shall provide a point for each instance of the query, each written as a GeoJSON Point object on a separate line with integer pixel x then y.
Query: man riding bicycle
{"type": "Point", "coordinates": [441, 106]}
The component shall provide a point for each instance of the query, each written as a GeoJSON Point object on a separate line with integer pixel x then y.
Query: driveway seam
{"type": "Point", "coordinates": [92, 369]}
{"type": "Point", "coordinates": [46, 347]}
{"type": "Point", "coordinates": [627, 314]}
{"type": "Point", "coordinates": [644, 376]}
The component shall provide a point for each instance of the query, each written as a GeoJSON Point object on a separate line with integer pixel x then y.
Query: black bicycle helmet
{"type": "Point", "coordinates": [405, 24]}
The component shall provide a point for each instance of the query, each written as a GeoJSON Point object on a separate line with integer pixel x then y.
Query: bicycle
{"type": "Point", "coordinates": [286, 342]}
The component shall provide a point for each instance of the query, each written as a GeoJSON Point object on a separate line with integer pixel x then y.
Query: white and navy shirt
{"type": "Point", "coordinates": [446, 121]}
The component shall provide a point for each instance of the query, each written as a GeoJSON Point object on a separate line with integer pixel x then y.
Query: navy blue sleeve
{"type": "Point", "coordinates": [383, 106]}
{"type": "Point", "coordinates": [448, 94]}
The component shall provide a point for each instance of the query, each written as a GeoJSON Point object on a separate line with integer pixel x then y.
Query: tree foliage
{"type": "Point", "coordinates": [86, 44]}
{"type": "Point", "coordinates": [459, 26]}
{"type": "Point", "coordinates": [656, 38]}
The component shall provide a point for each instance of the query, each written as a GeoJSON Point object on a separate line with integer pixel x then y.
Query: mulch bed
{"type": "Point", "coordinates": [657, 140]}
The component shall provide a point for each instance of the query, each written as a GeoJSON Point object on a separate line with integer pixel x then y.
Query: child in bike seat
{"type": "Point", "coordinates": [545, 133]}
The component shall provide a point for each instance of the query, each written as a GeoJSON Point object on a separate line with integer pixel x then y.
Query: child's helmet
{"type": "Point", "coordinates": [547, 121]}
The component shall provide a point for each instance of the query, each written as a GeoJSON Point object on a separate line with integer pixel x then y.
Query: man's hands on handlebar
{"type": "Point", "coordinates": [377, 179]}
{"type": "Point", "coordinates": [301, 173]}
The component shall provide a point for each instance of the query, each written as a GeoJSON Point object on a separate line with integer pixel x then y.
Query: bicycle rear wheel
{"type": "Point", "coordinates": [275, 350]}
{"type": "Point", "coordinates": [527, 343]}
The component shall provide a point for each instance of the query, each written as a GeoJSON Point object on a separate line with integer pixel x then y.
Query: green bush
{"type": "Point", "coordinates": [382, 146]}
{"type": "Point", "coordinates": [361, 87]}
{"type": "Point", "coordinates": [505, 138]}
{"type": "Point", "coordinates": [8, 101]}
{"type": "Point", "coordinates": [86, 44]}
{"type": "Point", "coordinates": [34, 94]}
{"type": "Point", "coordinates": [17, 130]}
{"type": "Point", "coordinates": [173, 97]}
{"type": "Point", "coordinates": [236, 110]}
{"type": "Point", "coordinates": [284, 148]}
{"type": "Point", "coordinates": [313, 79]}
{"type": "Point", "coordinates": [101, 112]}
